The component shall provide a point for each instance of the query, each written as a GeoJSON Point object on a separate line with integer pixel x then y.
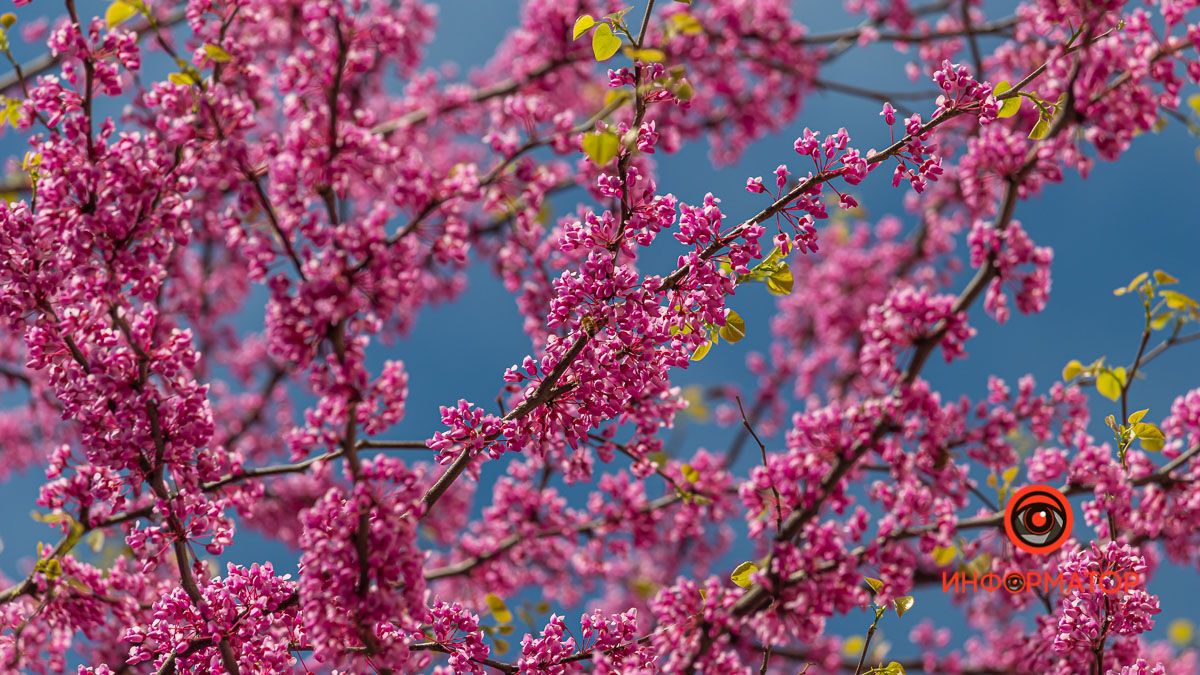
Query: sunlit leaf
{"type": "Point", "coordinates": [1164, 278]}
{"type": "Point", "coordinates": [118, 12]}
{"type": "Point", "coordinates": [1040, 130]}
{"type": "Point", "coordinates": [741, 574]}
{"type": "Point", "coordinates": [1010, 474]}
{"type": "Point", "coordinates": [735, 327]}
{"type": "Point", "coordinates": [1072, 370]}
{"type": "Point", "coordinates": [903, 604]}
{"type": "Point", "coordinates": [1009, 106]}
{"type": "Point", "coordinates": [604, 42]}
{"type": "Point", "coordinates": [1136, 417]}
{"type": "Point", "coordinates": [685, 23]}
{"type": "Point", "coordinates": [701, 351]}
{"type": "Point", "coordinates": [875, 584]}
{"type": "Point", "coordinates": [1108, 386]}
{"type": "Point", "coordinates": [582, 25]}
{"type": "Point", "coordinates": [646, 55]}
{"type": "Point", "coordinates": [1177, 300]}
{"type": "Point", "coordinates": [944, 555]}
{"type": "Point", "coordinates": [1181, 631]}
{"type": "Point", "coordinates": [601, 146]}
{"type": "Point", "coordinates": [216, 53]}
{"type": "Point", "coordinates": [498, 608]}
{"type": "Point", "coordinates": [781, 282]}
{"type": "Point", "coordinates": [689, 472]}
{"type": "Point", "coordinates": [1132, 285]}
{"type": "Point", "coordinates": [184, 79]}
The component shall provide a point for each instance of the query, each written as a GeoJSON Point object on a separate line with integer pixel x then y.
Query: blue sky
{"type": "Point", "coordinates": [1138, 214]}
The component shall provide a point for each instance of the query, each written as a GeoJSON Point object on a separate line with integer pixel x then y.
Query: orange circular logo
{"type": "Point", "coordinates": [1038, 519]}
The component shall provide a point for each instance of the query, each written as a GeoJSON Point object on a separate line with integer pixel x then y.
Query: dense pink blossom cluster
{"type": "Point", "coordinates": [301, 162]}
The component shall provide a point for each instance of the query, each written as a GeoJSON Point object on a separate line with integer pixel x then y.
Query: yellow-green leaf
{"type": "Point", "coordinates": [1008, 106]}
{"type": "Point", "coordinates": [1136, 417]}
{"type": "Point", "coordinates": [52, 517]}
{"type": "Point", "coordinates": [1161, 320]}
{"type": "Point", "coordinates": [184, 79]}
{"type": "Point", "coordinates": [1150, 435]}
{"type": "Point", "coordinates": [646, 55]}
{"type": "Point", "coordinates": [781, 281]}
{"type": "Point", "coordinates": [95, 540]}
{"type": "Point", "coordinates": [1119, 373]}
{"type": "Point", "coordinates": [944, 555]}
{"type": "Point", "coordinates": [741, 574]}
{"type": "Point", "coordinates": [1108, 386]}
{"type": "Point", "coordinates": [1132, 285]}
{"type": "Point", "coordinates": [601, 146]}
{"type": "Point", "coordinates": [701, 351]}
{"type": "Point", "coordinates": [689, 472]}
{"type": "Point", "coordinates": [1164, 278]}
{"type": "Point", "coordinates": [1040, 130]}
{"type": "Point", "coordinates": [685, 23]}
{"type": "Point", "coordinates": [1010, 474]}
{"type": "Point", "coordinates": [1177, 300]}
{"type": "Point", "coordinates": [217, 53]}
{"type": "Point", "coordinates": [735, 327]}
{"type": "Point", "coordinates": [1181, 631]}
{"type": "Point", "coordinates": [118, 12]}
{"type": "Point", "coordinates": [582, 25]}
{"type": "Point", "coordinates": [604, 42]}
{"type": "Point", "coordinates": [893, 668]}
{"type": "Point", "coordinates": [875, 584]}
{"type": "Point", "coordinates": [1072, 370]}
{"type": "Point", "coordinates": [499, 610]}
{"type": "Point", "coordinates": [903, 604]}
{"type": "Point", "coordinates": [500, 646]}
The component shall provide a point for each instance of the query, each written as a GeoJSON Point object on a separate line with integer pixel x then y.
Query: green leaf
{"type": "Point", "coordinates": [1119, 373]}
{"type": "Point", "coordinates": [1040, 130]}
{"type": "Point", "coordinates": [184, 79]}
{"type": "Point", "coordinates": [701, 351]}
{"type": "Point", "coordinates": [685, 23]}
{"type": "Point", "coordinates": [1010, 474]}
{"type": "Point", "coordinates": [500, 646]}
{"type": "Point", "coordinates": [1161, 320]}
{"type": "Point", "coordinates": [944, 555]}
{"type": "Point", "coordinates": [875, 584]}
{"type": "Point", "coordinates": [604, 42]}
{"type": "Point", "coordinates": [903, 604]}
{"type": "Point", "coordinates": [1108, 385]}
{"type": "Point", "coordinates": [781, 282]}
{"type": "Point", "coordinates": [1129, 288]}
{"type": "Point", "coordinates": [1008, 106]}
{"type": "Point", "coordinates": [646, 55]}
{"type": "Point", "coordinates": [1177, 300]}
{"type": "Point", "coordinates": [741, 574]}
{"type": "Point", "coordinates": [118, 12]}
{"type": "Point", "coordinates": [735, 327]}
{"type": "Point", "coordinates": [1072, 370]}
{"type": "Point", "coordinates": [1151, 437]}
{"type": "Point", "coordinates": [1164, 278]}
{"type": "Point", "coordinates": [689, 472]}
{"type": "Point", "coordinates": [601, 146]}
{"type": "Point", "coordinates": [217, 53]}
{"type": "Point", "coordinates": [893, 668]}
{"type": "Point", "coordinates": [1136, 417]}
{"type": "Point", "coordinates": [582, 25]}
{"type": "Point", "coordinates": [499, 610]}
